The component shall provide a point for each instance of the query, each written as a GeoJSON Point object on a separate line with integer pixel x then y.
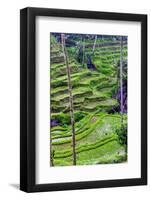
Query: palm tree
{"type": "Point", "coordinates": [121, 77]}
{"type": "Point", "coordinates": [51, 152]}
{"type": "Point", "coordinates": [70, 96]}
{"type": "Point", "coordinates": [94, 44]}
{"type": "Point", "coordinates": [83, 58]}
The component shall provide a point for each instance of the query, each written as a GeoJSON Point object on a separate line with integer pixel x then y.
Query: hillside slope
{"type": "Point", "coordinates": [95, 98]}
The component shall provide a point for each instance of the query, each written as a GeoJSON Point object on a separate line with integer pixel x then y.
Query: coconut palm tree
{"type": "Point", "coordinates": [70, 96]}
{"type": "Point", "coordinates": [94, 45]}
{"type": "Point", "coordinates": [121, 78]}
{"type": "Point", "coordinates": [83, 58]}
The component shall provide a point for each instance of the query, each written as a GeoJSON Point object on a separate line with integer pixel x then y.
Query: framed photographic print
{"type": "Point", "coordinates": [83, 96]}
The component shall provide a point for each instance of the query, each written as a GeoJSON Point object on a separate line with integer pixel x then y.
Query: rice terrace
{"type": "Point", "coordinates": [88, 99]}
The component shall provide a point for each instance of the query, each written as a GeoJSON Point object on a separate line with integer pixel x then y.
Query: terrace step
{"type": "Point", "coordinates": [57, 59]}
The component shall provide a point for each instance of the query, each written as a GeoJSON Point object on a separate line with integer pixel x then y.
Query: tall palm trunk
{"type": "Point", "coordinates": [51, 150]}
{"type": "Point", "coordinates": [70, 97]}
{"type": "Point", "coordinates": [118, 72]}
{"type": "Point", "coordinates": [121, 78]}
{"type": "Point", "coordinates": [83, 58]}
{"type": "Point", "coordinates": [94, 44]}
{"type": "Point", "coordinates": [51, 153]}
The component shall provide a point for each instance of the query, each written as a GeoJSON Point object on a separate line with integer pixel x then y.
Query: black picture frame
{"type": "Point", "coordinates": [28, 98]}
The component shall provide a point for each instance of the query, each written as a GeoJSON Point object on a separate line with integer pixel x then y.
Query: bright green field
{"type": "Point", "coordinates": [97, 141]}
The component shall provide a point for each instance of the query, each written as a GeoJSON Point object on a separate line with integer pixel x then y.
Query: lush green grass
{"type": "Point", "coordinates": [109, 152]}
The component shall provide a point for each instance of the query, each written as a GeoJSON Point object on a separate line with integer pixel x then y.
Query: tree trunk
{"type": "Point", "coordinates": [83, 58]}
{"type": "Point", "coordinates": [121, 78]}
{"type": "Point", "coordinates": [51, 153]}
{"type": "Point", "coordinates": [70, 97]}
{"type": "Point", "coordinates": [94, 44]}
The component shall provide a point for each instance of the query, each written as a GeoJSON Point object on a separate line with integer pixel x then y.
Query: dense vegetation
{"type": "Point", "coordinates": [100, 122]}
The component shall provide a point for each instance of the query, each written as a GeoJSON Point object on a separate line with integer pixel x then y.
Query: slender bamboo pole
{"type": "Point", "coordinates": [70, 97]}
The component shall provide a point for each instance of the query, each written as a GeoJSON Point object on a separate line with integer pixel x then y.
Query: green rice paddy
{"type": "Point", "coordinates": [97, 141]}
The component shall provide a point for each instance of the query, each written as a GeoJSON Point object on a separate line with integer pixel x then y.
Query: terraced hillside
{"type": "Point", "coordinates": [100, 127]}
